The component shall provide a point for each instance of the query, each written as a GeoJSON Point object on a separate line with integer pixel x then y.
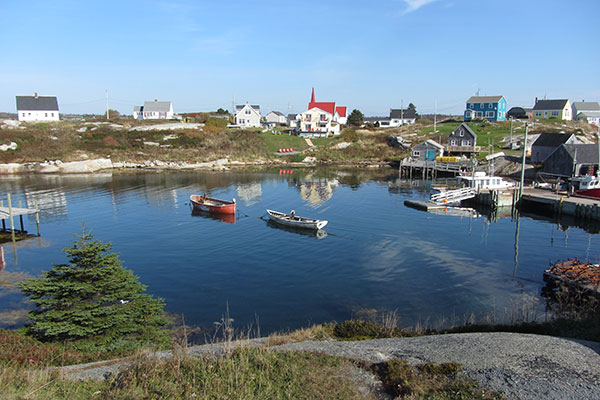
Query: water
{"type": "Point", "coordinates": [377, 254]}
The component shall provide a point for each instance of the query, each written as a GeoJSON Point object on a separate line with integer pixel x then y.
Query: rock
{"type": "Point", "coordinates": [162, 127]}
{"type": "Point", "coordinates": [309, 160]}
{"type": "Point", "coordinates": [11, 124]}
{"type": "Point", "coordinates": [151, 144]}
{"type": "Point", "coordinates": [342, 145]}
{"type": "Point", "coordinates": [11, 146]}
{"type": "Point", "coordinates": [81, 130]}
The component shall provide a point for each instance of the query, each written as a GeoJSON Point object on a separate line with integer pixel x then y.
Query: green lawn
{"type": "Point", "coordinates": [283, 141]}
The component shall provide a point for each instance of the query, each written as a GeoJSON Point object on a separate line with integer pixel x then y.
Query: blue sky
{"type": "Point", "coordinates": [370, 55]}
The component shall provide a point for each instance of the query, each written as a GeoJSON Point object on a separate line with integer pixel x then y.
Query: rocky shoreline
{"type": "Point", "coordinates": [103, 164]}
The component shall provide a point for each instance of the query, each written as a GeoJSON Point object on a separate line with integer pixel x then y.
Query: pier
{"type": "Point", "coordinates": [559, 203]}
{"type": "Point", "coordinates": [8, 213]}
{"type": "Point", "coordinates": [425, 169]}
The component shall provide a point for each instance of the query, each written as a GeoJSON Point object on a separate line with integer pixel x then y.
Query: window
{"type": "Point", "coordinates": [248, 112]}
{"type": "Point", "coordinates": [489, 114]}
{"type": "Point", "coordinates": [416, 153]}
{"type": "Point", "coordinates": [307, 127]}
{"type": "Point", "coordinates": [23, 115]}
{"type": "Point", "coordinates": [466, 142]}
{"type": "Point", "coordinates": [468, 114]}
{"type": "Point", "coordinates": [555, 113]}
{"type": "Point", "coordinates": [323, 117]}
{"type": "Point", "coordinates": [453, 142]}
{"type": "Point", "coordinates": [538, 113]}
{"type": "Point", "coordinates": [308, 116]}
{"type": "Point", "coordinates": [461, 133]}
{"type": "Point", "coordinates": [478, 114]}
{"type": "Point", "coordinates": [490, 105]}
{"type": "Point", "coordinates": [482, 105]}
{"type": "Point", "coordinates": [46, 115]}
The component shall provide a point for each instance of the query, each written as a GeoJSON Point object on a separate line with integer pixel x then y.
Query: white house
{"type": "Point", "coordinates": [588, 110]}
{"type": "Point", "coordinates": [398, 117]}
{"type": "Point", "coordinates": [292, 120]}
{"type": "Point", "coordinates": [37, 108]}
{"type": "Point", "coordinates": [247, 116]}
{"type": "Point", "coordinates": [318, 121]}
{"type": "Point", "coordinates": [154, 110]}
{"type": "Point", "coordinates": [276, 117]}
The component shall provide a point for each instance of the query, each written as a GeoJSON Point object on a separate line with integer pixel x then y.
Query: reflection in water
{"type": "Point", "coordinates": [319, 234]}
{"type": "Point", "coordinates": [227, 218]}
{"type": "Point", "coordinates": [249, 192]}
{"type": "Point", "coordinates": [317, 190]}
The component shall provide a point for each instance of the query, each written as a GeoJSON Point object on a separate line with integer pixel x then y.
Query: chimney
{"type": "Point", "coordinates": [155, 100]}
{"type": "Point", "coordinates": [536, 100]}
{"type": "Point", "coordinates": [35, 95]}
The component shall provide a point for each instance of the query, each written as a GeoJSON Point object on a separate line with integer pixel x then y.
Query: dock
{"type": "Point", "coordinates": [424, 205]}
{"type": "Point", "coordinates": [8, 213]}
{"type": "Point", "coordinates": [409, 167]}
{"type": "Point", "coordinates": [553, 203]}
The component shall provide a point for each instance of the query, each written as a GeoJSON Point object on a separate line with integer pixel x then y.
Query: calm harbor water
{"type": "Point", "coordinates": [376, 255]}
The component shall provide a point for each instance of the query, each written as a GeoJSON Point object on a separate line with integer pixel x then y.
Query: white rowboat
{"type": "Point", "coordinates": [295, 221]}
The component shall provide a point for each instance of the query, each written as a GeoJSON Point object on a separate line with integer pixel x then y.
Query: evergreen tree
{"type": "Point", "coordinates": [355, 118]}
{"type": "Point", "coordinates": [411, 106]}
{"type": "Point", "coordinates": [93, 302]}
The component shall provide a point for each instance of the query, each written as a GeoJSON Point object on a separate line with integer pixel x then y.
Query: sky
{"type": "Point", "coordinates": [368, 55]}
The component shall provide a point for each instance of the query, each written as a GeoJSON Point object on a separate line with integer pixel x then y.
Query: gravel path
{"type": "Point", "coordinates": [520, 366]}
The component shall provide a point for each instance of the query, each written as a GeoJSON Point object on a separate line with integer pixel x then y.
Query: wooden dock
{"type": "Point", "coordinates": [423, 205]}
{"type": "Point", "coordinates": [8, 213]}
{"type": "Point", "coordinates": [559, 203]}
{"type": "Point", "coordinates": [409, 167]}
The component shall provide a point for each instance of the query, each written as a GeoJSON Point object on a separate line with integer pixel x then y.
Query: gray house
{"type": "Point", "coordinates": [572, 160]}
{"type": "Point", "coordinates": [37, 108]}
{"type": "Point", "coordinates": [583, 106]}
{"type": "Point", "coordinates": [547, 142]}
{"type": "Point", "coordinates": [427, 150]}
{"type": "Point", "coordinates": [462, 140]}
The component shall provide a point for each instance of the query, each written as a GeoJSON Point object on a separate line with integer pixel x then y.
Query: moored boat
{"type": "Point", "coordinates": [212, 205]}
{"type": "Point", "coordinates": [480, 180]}
{"type": "Point", "coordinates": [587, 185]}
{"type": "Point", "coordinates": [293, 220]}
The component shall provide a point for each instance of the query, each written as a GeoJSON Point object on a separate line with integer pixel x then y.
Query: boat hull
{"type": "Point", "coordinates": [213, 205]}
{"type": "Point", "coordinates": [295, 222]}
{"type": "Point", "coordinates": [589, 192]}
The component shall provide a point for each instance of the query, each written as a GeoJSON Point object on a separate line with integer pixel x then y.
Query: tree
{"type": "Point", "coordinates": [355, 118]}
{"type": "Point", "coordinates": [94, 302]}
{"type": "Point", "coordinates": [411, 106]}
{"type": "Point", "coordinates": [222, 111]}
{"type": "Point", "coordinates": [113, 114]}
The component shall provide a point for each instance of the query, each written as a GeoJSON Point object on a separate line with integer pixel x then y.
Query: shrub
{"type": "Point", "coordinates": [353, 329]}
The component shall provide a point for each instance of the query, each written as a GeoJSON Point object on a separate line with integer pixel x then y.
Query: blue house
{"type": "Point", "coordinates": [492, 108]}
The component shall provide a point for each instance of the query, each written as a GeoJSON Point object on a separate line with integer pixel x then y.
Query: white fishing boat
{"type": "Point", "coordinates": [295, 221]}
{"type": "Point", "coordinates": [480, 180]}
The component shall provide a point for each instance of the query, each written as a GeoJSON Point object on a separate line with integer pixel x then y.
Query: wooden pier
{"type": "Point", "coordinates": [425, 169]}
{"type": "Point", "coordinates": [8, 213]}
{"type": "Point", "coordinates": [559, 203]}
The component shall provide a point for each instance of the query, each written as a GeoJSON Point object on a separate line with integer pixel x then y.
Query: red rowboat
{"type": "Point", "coordinates": [212, 205]}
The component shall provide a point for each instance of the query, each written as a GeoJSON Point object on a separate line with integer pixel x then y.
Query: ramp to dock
{"type": "Point", "coordinates": [453, 196]}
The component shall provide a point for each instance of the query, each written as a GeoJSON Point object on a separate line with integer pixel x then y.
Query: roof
{"type": "Point", "coordinates": [37, 103]}
{"type": "Point", "coordinates": [256, 107]}
{"type": "Point", "coordinates": [431, 143]}
{"type": "Point", "coordinates": [484, 99]}
{"type": "Point", "coordinates": [551, 104]}
{"type": "Point", "coordinates": [292, 116]}
{"type": "Point", "coordinates": [138, 108]}
{"type": "Point", "coordinates": [586, 106]}
{"type": "Point", "coordinates": [277, 113]}
{"type": "Point", "coordinates": [341, 110]}
{"type": "Point", "coordinates": [548, 139]}
{"type": "Point", "coordinates": [328, 106]}
{"type": "Point", "coordinates": [586, 153]}
{"type": "Point", "coordinates": [317, 108]}
{"type": "Point", "coordinates": [157, 106]}
{"type": "Point", "coordinates": [594, 113]}
{"type": "Point", "coordinates": [407, 113]}
{"type": "Point", "coordinates": [468, 128]}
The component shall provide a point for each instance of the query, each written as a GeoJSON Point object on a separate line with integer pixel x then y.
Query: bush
{"type": "Point", "coordinates": [353, 329]}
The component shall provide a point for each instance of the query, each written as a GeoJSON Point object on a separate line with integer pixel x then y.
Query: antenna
{"type": "Point", "coordinates": [478, 90]}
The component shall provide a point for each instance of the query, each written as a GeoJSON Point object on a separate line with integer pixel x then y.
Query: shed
{"type": "Point", "coordinates": [427, 150]}
{"type": "Point", "coordinates": [462, 140]}
{"type": "Point", "coordinates": [547, 142]}
{"type": "Point", "coordinates": [570, 160]}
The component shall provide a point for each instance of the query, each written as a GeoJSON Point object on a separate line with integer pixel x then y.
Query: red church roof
{"type": "Point", "coordinates": [341, 110]}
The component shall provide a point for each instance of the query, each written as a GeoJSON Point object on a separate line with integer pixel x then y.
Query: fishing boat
{"type": "Point", "coordinates": [480, 180]}
{"type": "Point", "coordinates": [293, 220]}
{"type": "Point", "coordinates": [587, 185]}
{"type": "Point", "coordinates": [212, 205]}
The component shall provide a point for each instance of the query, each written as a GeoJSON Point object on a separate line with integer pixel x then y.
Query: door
{"type": "Point", "coordinates": [429, 155]}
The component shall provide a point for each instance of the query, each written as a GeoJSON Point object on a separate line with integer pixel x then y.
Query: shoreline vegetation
{"type": "Point", "coordinates": [206, 143]}
{"type": "Point", "coordinates": [27, 363]}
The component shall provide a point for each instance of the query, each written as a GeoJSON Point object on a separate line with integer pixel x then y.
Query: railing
{"type": "Point", "coordinates": [463, 149]}
{"type": "Point", "coordinates": [452, 196]}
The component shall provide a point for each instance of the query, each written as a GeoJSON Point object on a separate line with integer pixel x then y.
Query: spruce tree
{"type": "Point", "coordinates": [93, 302]}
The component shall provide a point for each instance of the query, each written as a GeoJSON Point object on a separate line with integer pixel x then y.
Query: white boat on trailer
{"type": "Point", "coordinates": [293, 220]}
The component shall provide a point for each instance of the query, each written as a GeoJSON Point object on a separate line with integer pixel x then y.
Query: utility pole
{"type": "Point", "coordinates": [232, 105]}
{"type": "Point", "coordinates": [107, 113]}
{"type": "Point", "coordinates": [523, 162]}
{"type": "Point", "coordinates": [435, 117]}
{"type": "Point", "coordinates": [511, 126]}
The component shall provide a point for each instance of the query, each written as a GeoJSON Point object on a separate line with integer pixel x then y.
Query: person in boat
{"type": "Point", "coordinates": [293, 215]}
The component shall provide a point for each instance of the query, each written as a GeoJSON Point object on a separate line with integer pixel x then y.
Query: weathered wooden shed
{"type": "Point", "coordinates": [427, 150]}
{"type": "Point", "coordinates": [547, 142]}
{"type": "Point", "coordinates": [570, 160]}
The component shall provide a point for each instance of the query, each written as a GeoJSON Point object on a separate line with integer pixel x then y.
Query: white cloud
{"type": "Point", "coordinates": [412, 5]}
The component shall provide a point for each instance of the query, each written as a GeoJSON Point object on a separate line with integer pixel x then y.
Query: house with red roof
{"type": "Point", "coordinates": [322, 117]}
